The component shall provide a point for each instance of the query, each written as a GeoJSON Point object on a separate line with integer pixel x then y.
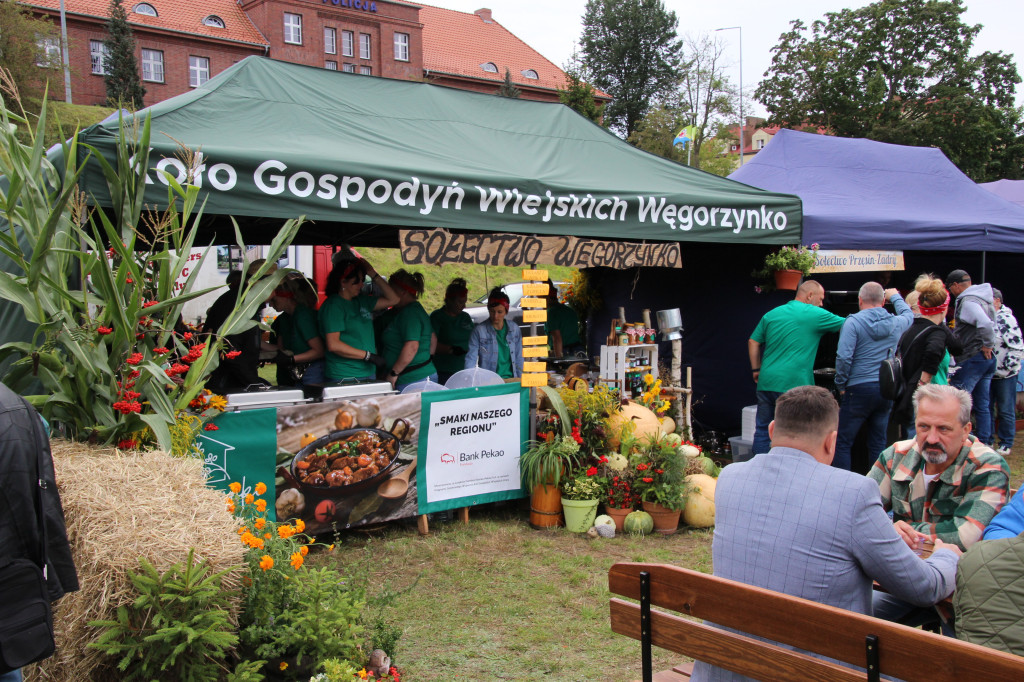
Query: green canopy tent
{"type": "Point", "coordinates": [361, 157]}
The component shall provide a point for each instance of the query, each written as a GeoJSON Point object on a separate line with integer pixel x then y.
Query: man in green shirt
{"type": "Point", "coordinates": [782, 350]}
{"type": "Point", "coordinates": [563, 326]}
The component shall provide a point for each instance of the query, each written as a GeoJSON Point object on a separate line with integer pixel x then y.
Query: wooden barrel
{"type": "Point", "coordinates": [546, 507]}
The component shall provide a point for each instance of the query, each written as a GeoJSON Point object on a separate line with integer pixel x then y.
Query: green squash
{"type": "Point", "coordinates": [638, 522]}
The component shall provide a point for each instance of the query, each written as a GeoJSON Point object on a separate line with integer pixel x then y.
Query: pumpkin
{"type": "Point", "coordinates": [604, 519]}
{"type": "Point", "coordinates": [668, 425]}
{"type": "Point", "coordinates": [689, 450]}
{"type": "Point", "coordinates": [699, 511]}
{"type": "Point", "coordinates": [306, 439]}
{"type": "Point", "coordinates": [646, 423]}
{"type": "Point", "coordinates": [674, 439]}
{"type": "Point", "coordinates": [638, 523]}
{"type": "Point", "coordinates": [617, 462]}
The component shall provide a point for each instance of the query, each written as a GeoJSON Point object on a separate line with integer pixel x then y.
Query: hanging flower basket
{"type": "Point", "coordinates": [786, 266]}
{"type": "Point", "coordinates": [787, 280]}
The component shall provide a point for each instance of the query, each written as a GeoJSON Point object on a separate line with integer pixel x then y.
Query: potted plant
{"type": "Point", "coordinates": [620, 499]}
{"type": "Point", "coordinates": [542, 467]}
{"type": "Point", "coordinates": [658, 480]}
{"type": "Point", "coordinates": [789, 264]}
{"type": "Point", "coordinates": [580, 497]}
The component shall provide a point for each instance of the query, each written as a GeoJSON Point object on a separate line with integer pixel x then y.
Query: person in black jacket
{"type": "Point", "coordinates": [26, 470]}
{"type": "Point", "coordinates": [925, 348]}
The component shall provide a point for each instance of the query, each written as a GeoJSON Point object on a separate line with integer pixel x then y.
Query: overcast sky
{"type": "Point", "coordinates": [552, 27]}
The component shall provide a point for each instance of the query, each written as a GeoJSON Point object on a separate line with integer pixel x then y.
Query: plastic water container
{"type": "Point", "coordinates": [742, 449]}
{"type": "Point", "coordinates": [748, 422]}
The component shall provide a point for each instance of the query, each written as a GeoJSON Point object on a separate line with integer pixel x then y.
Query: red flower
{"type": "Point", "coordinates": [127, 444]}
{"type": "Point", "coordinates": [134, 359]}
{"type": "Point", "coordinates": [232, 354]}
{"type": "Point", "coordinates": [641, 467]}
{"type": "Point", "coordinates": [659, 471]}
{"type": "Point", "coordinates": [592, 471]}
{"type": "Point", "coordinates": [134, 373]}
{"type": "Point", "coordinates": [125, 407]}
{"type": "Point", "coordinates": [129, 280]}
{"type": "Point", "coordinates": [648, 480]}
{"type": "Point", "coordinates": [103, 331]}
{"type": "Point", "coordinates": [140, 336]}
{"type": "Point", "coordinates": [131, 395]}
{"type": "Point", "coordinates": [603, 460]}
{"type": "Point", "coordinates": [186, 336]}
{"type": "Point", "coordinates": [210, 426]}
{"type": "Point", "coordinates": [149, 304]}
{"type": "Point", "coordinates": [161, 350]}
{"type": "Point", "coordinates": [175, 369]}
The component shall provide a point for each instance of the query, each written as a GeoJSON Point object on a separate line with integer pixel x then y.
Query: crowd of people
{"type": "Point", "coordinates": [370, 326]}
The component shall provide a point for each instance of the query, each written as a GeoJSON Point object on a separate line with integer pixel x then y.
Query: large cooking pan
{"type": "Point", "coordinates": [344, 490]}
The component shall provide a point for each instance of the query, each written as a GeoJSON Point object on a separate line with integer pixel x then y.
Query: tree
{"type": "Point", "coordinates": [704, 89]}
{"type": "Point", "coordinates": [655, 132]}
{"type": "Point", "coordinates": [23, 53]}
{"type": "Point", "coordinates": [508, 88]}
{"type": "Point", "coordinates": [900, 71]}
{"type": "Point", "coordinates": [124, 87]}
{"type": "Point", "coordinates": [631, 49]}
{"type": "Point", "coordinates": [578, 94]}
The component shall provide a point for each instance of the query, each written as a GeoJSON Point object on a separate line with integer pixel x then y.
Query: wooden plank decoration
{"type": "Point", "coordinates": [437, 246]}
{"type": "Point", "coordinates": [535, 316]}
{"type": "Point", "coordinates": [535, 340]}
{"type": "Point", "coordinates": [535, 275]}
{"type": "Point", "coordinates": [533, 379]}
{"type": "Point", "coordinates": [535, 366]}
{"type": "Point", "coordinates": [535, 352]}
{"type": "Point", "coordinates": [535, 289]}
{"type": "Point", "coordinates": [533, 303]}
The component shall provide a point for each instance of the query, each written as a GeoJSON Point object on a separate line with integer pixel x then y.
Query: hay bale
{"type": "Point", "coordinates": [120, 506]}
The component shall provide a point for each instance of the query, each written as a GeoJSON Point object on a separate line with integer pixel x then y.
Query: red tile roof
{"type": "Point", "coordinates": [173, 15]}
{"type": "Point", "coordinates": [458, 43]}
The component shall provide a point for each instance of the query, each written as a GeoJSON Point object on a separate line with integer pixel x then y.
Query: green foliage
{"type": "Point", "coordinates": [336, 670]}
{"type": "Point", "coordinates": [384, 632]}
{"type": "Point", "coordinates": [20, 53]}
{"type": "Point", "coordinates": [177, 628]}
{"type": "Point", "coordinates": [900, 71]}
{"type": "Point", "coordinates": [800, 258]}
{"type": "Point", "coordinates": [631, 49]}
{"type": "Point", "coordinates": [578, 94]}
{"type": "Point", "coordinates": [101, 287]}
{"type": "Point", "coordinates": [508, 88]}
{"type": "Point", "coordinates": [659, 472]}
{"type": "Point", "coordinates": [124, 85]}
{"type": "Point", "coordinates": [584, 487]}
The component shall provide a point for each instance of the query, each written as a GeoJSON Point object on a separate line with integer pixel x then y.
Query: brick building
{"type": "Point", "coordinates": [181, 45]}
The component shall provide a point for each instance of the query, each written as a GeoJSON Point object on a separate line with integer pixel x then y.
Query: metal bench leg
{"type": "Point", "coordinates": [871, 646]}
{"type": "Point", "coordinates": [645, 626]}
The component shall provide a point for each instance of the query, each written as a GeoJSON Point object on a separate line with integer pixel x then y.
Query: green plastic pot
{"type": "Point", "coordinates": [579, 514]}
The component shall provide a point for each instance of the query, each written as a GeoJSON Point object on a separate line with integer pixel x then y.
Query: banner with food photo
{"type": "Point", "coordinates": [348, 463]}
{"type": "Point", "coordinates": [470, 443]}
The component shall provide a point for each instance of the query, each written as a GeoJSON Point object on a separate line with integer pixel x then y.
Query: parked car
{"type": "Point", "coordinates": [478, 311]}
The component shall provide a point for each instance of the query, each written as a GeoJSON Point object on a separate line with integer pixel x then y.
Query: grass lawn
{"type": "Point", "coordinates": [497, 600]}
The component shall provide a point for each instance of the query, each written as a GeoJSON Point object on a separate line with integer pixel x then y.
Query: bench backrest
{"type": "Point", "coordinates": [858, 640]}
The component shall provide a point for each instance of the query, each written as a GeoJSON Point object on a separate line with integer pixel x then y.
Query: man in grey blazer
{"type": "Point", "coordinates": [788, 521]}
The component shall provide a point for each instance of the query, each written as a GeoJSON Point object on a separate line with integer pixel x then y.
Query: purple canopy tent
{"type": "Point", "coordinates": [862, 194]}
{"type": "Point", "coordinates": [1011, 190]}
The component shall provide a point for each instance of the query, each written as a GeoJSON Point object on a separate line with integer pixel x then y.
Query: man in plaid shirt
{"type": "Point", "coordinates": [943, 484]}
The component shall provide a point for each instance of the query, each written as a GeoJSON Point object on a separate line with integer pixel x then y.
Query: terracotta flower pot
{"type": "Point", "coordinates": [666, 521]}
{"type": "Point", "coordinates": [618, 516]}
{"type": "Point", "coordinates": [787, 280]}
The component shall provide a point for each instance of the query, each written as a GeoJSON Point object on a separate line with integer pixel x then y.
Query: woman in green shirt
{"type": "Point", "coordinates": [346, 320]}
{"type": "Point", "coordinates": [298, 333]}
{"type": "Point", "coordinates": [452, 326]}
{"type": "Point", "coordinates": [408, 340]}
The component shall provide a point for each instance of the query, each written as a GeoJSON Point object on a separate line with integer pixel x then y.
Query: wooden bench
{"type": "Point", "coordinates": [860, 642]}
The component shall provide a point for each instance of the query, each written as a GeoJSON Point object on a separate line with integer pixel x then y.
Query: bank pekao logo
{"type": "Point", "coordinates": [447, 459]}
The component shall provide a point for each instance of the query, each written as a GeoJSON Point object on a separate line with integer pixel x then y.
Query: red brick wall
{"type": "Point", "coordinates": [491, 87]}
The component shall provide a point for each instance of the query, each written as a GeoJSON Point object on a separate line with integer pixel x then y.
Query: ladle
{"type": "Point", "coordinates": [398, 486]}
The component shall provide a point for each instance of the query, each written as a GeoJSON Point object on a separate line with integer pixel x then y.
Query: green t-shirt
{"type": "Point", "coordinates": [942, 373]}
{"type": "Point", "coordinates": [789, 338]}
{"type": "Point", "coordinates": [410, 324]}
{"type": "Point", "coordinates": [353, 320]}
{"type": "Point", "coordinates": [564, 319]}
{"type": "Point", "coordinates": [296, 329]}
{"type": "Point", "coordinates": [451, 331]}
{"type": "Point", "coordinates": [504, 368]}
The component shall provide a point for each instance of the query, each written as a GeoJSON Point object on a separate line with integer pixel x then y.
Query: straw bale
{"type": "Point", "coordinates": [120, 506]}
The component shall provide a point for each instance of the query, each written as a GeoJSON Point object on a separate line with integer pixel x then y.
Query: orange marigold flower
{"type": "Point", "coordinates": [243, 529]}
{"type": "Point", "coordinates": [266, 563]}
{"type": "Point", "coordinates": [260, 523]}
{"type": "Point", "coordinates": [261, 505]}
{"type": "Point", "coordinates": [300, 525]}
{"type": "Point", "coordinates": [249, 499]}
{"type": "Point", "coordinates": [267, 535]}
{"type": "Point", "coordinates": [330, 548]}
{"type": "Point", "coordinates": [236, 487]}
{"type": "Point", "coordinates": [261, 488]}
{"type": "Point", "coordinates": [231, 507]}
{"type": "Point", "coordinates": [303, 550]}
{"type": "Point", "coordinates": [257, 543]}
{"type": "Point", "coordinates": [297, 560]}
{"type": "Point", "coordinates": [283, 666]}
{"type": "Point", "coordinates": [285, 531]}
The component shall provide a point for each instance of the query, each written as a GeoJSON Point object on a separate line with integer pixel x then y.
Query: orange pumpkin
{"type": "Point", "coordinates": [306, 439]}
{"type": "Point", "coordinates": [645, 423]}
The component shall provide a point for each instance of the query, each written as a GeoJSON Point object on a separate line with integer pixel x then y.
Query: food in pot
{"type": "Point", "coordinates": [350, 460]}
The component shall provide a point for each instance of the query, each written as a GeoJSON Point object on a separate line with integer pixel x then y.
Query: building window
{"type": "Point", "coordinates": [293, 28]}
{"type": "Point", "coordinates": [97, 56]}
{"type": "Point", "coordinates": [331, 65]}
{"type": "Point", "coordinates": [364, 46]}
{"type": "Point", "coordinates": [347, 43]}
{"type": "Point", "coordinates": [402, 47]}
{"type": "Point", "coordinates": [758, 144]}
{"type": "Point", "coordinates": [330, 41]}
{"type": "Point", "coordinates": [366, 70]}
{"type": "Point", "coordinates": [145, 8]}
{"type": "Point", "coordinates": [153, 65]}
{"type": "Point", "coordinates": [198, 71]}
{"type": "Point", "coordinates": [49, 52]}
{"type": "Point", "coordinates": [530, 73]}
{"type": "Point", "coordinates": [734, 147]}
{"type": "Point", "coordinates": [214, 21]}
{"type": "Point", "coordinates": [490, 67]}
{"type": "Point", "coordinates": [350, 68]}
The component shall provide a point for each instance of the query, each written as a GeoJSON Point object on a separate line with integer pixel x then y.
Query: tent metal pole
{"type": "Point", "coordinates": [984, 254]}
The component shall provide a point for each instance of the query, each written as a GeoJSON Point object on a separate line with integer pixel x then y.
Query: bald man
{"type": "Point", "coordinates": [782, 350]}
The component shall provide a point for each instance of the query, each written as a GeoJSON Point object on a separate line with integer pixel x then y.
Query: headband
{"type": "Point", "coordinates": [405, 287]}
{"type": "Point", "coordinates": [458, 291]}
{"type": "Point", "coordinates": [495, 301]}
{"type": "Point", "coordinates": [283, 293]}
{"type": "Point", "coordinates": [936, 309]}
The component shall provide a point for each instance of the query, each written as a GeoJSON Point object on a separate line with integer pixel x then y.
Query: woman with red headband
{"type": "Point", "coordinates": [300, 356]}
{"type": "Point", "coordinates": [925, 348]}
{"type": "Point", "coordinates": [495, 344]}
{"type": "Point", "coordinates": [452, 326]}
{"type": "Point", "coordinates": [346, 321]}
{"type": "Point", "coordinates": [408, 339]}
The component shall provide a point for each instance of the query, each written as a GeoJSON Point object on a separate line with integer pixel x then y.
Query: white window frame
{"type": "Point", "coordinates": [292, 28]}
{"type": "Point", "coordinates": [198, 70]}
{"type": "Point", "coordinates": [365, 46]}
{"type": "Point", "coordinates": [152, 62]}
{"type": "Point", "coordinates": [330, 40]}
{"type": "Point", "coordinates": [98, 52]}
{"type": "Point", "coordinates": [349, 68]}
{"type": "Point", "coordinates": [331, 65]}
{"type": "Point", "coordinates": [401, 47]}
{"type": "Point", "coordinates": [348, 41]}
{"type": "Point", "coordinates": [366, 70]}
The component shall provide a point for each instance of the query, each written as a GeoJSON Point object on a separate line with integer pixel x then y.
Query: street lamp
{"type": "Point", "coordinates": [742, 122]}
